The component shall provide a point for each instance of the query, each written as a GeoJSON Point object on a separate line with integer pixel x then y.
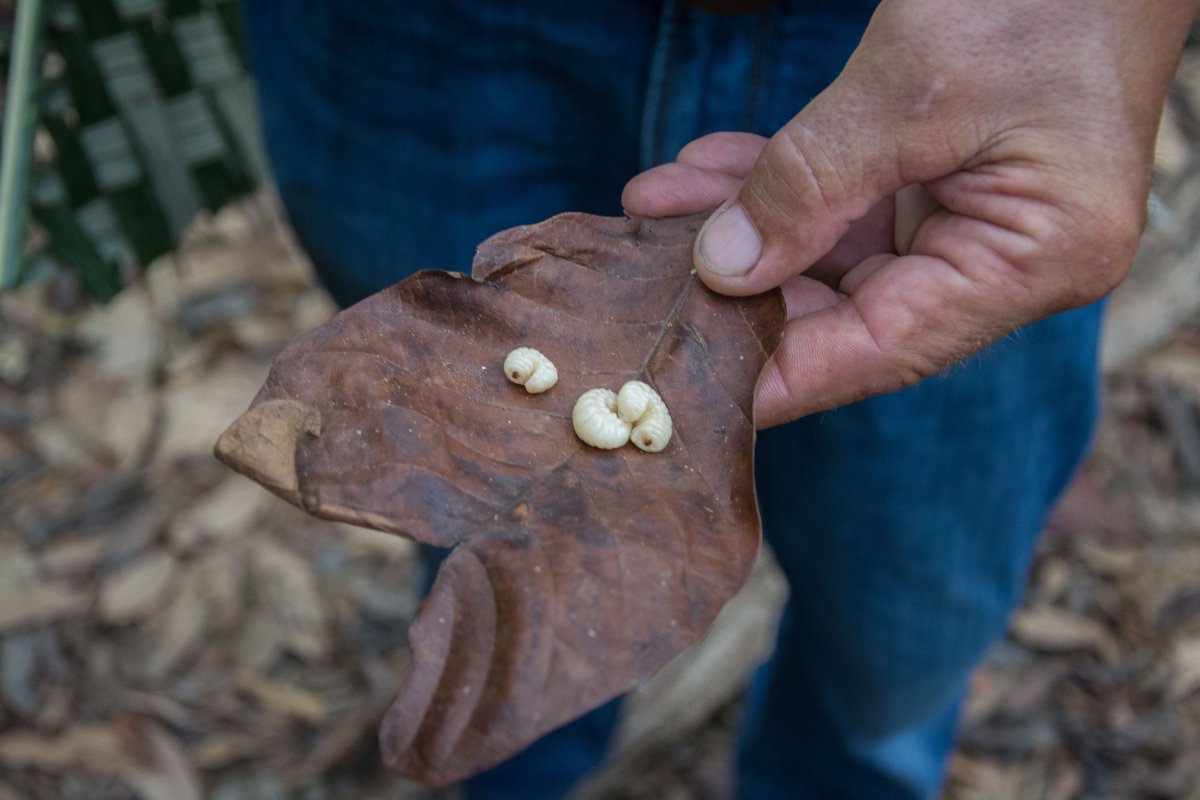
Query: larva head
{"type": "Point", "coordinates": [639, 404]}
{"type": "Point", "coordinates": [520, 364]}
{"type": "Point", "coordinates": [531, 369]}
{"type": "Point", "coordinates": [652, 434]}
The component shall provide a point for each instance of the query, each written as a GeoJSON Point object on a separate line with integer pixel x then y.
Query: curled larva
{"type": "Point", "coordinates": [531, 369]}
{"type": "Point", "coordinates": [643, 408]}
{"type": "Point", "coordinates": [596, 421]}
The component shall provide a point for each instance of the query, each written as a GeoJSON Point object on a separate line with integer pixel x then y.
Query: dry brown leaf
{"type": "Point", "coordinates": [73, 556]}
{"type": "Point", "coordinates": [18, 567]}
{"type": "Point", "coordinates": [179, 630]}
{"type": "Point", "coordinates": [310, 310]}
{"type": "Point", "coordinates": [126, 337]}
{"type": "Point", "coordinates": [159, 705]}
{"type": "Point", "coordinates": [56, 444]}
{"type": "Point", "coordinates": [1108, 560]}
{"type": "Point", "coordinates": [1185, 667]}
{"type": "Point", "coordinates": [1173, 147]}
{"type": "Point", "coordinates": [220, 577]}
{"type": "Point", "coordinates": [283, 699]}
{"type": "Point", "coordinates": [259, 334]}
{"type": "Point", "coordinates": [197, 408]}
{"type": "Point", "coordinates": [89, 746]}
{"type": "Point", "coordinates": [988, 693]}
{"type": "Point", "coordinates": [288, 585]}
{"type": "Point", "coordinates": [161, 769]}
{"type": "Point", "coordinates": [259, 642]}
{"type": "Point", "coordinates": [368, 543]}
{"type": "Point", "coordinates": [137, 590]}
{"type": "Point", "coordinates": [1059, 631]}
{"type": "Point", "coordinates": [972, 778]}
{"type": "Point", "coordinates": [28, 604]}
{"type": "Point", "coordinates": [1179, 368]}
{"type": "Point", "coordinates": [139, 754]}
{"type": "Point", "coordinates": [1066, 780]}
{"type": "Point", "coordinates": [577, 572]}
{"type": "Point", "coordinates": [223, 748]}
{"type": "Point", "coordinates": [1053, 577]}
{"type": "Point", "coordinates": [337, 739]}
{"type": "Point", "coordinates": [114, 418]}
{"type": "Point", "coordinates": [228, 510]}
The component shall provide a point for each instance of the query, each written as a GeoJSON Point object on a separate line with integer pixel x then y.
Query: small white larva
{"type": "Point", "coordinates": [643, 408]}
{"type": "Point", "coordinates": [596, 421]}
{"type": "Point", "coordinates": [531, 369]}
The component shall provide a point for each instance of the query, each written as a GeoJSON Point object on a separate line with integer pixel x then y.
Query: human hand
{"type": "Point", "coordinates": [1002, 149]}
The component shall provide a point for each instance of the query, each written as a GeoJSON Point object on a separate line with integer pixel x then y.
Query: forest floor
{"type": "Point", "coordinates": [169, 630]}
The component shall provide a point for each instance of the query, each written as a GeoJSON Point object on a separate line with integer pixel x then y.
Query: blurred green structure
{"type": "Point", "coordinates": [145, 114]}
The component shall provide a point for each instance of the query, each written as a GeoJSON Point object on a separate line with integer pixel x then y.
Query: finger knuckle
{"type": "Point", "coordinates": [784, 185]}
{"type": "Point", "coordinates": [1110, 238]}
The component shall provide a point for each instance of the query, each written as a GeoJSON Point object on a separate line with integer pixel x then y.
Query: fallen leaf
{"type": "Point", "coordinates": [161, 770]}
{"type": "Point", "coordinates": [136, 590]}
{"type": "Point", "coordinates": [159, 705]}
{"type": "Point", "coordinates": [972, 778]}
{"type": "Point", "coordinates": [40, 602]}
{"type": "Point", "coordinates": [179, 630]}
{"type": "Point", "coordinates": [220, 576]}
{"type": "Point", "coordinates": [17, 567]}
{"type": "Point", "coordinates": [337, 741]}
{"type": "Point", "coordinates": [126, 337]}
{"type": "Point", "coordinates": [259, 642]}
{"type": "Point", "coordinates": [220, 749]}
{"type": "Point", "coordinates": [197, 407]}
{"type": "Point", "coordinates": [74, 556]}
{"type": "Point", "coordinates": [1185, 667]}
{"type": "Point", "coordinates": [19, 672]}
{"type": "Point", "coordinates": [55, 444]}
{"type": "Point", "coordinates": [139, 754]}
{"type": "Point", "coordinates": [114, 418]}
{"type": "Point", "coordinates": [1179, 368]}
{"type": "Point", "coordinates": [1109, 561]}
{"type": "Point", "coordinates": [373, 544]}
{"type": "Point", "coordinates": [283, 699]}
{"type": "Point", "coordinates": [82, 745]}
{"type": "Point", "coordinates": [310, 310]}
{"type": "Point", "coordinates": [228, 510]}
{"type": "Point", "coordinates": [1059, 631]}
{"type": "Point", "coordinates": [289, 586]}
{"type": "Point", "coordinates": [577, 573]}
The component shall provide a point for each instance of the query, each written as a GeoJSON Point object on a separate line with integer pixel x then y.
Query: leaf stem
{"type": "Point", "coordinates": [20, 118]}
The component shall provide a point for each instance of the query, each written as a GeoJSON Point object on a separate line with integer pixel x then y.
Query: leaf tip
{"type": "Point", "coordinates": [261, 443]}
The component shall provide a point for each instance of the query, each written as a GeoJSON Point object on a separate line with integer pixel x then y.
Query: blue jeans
{"type": "Point", "coordinates": [402, 134]}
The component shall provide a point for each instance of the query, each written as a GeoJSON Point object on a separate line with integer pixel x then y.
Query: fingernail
{"type": "Point", "coordinates": [729, 244]}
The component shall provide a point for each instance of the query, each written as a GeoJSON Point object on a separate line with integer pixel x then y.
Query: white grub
{"type": "Point", "coordinates": [596, 421]}
{"type": "Point", "coordinates": [643, 408]}
{"type": "Point", "coordinates": [531, 369]}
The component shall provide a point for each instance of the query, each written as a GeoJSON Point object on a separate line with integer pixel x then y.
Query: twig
{"type": "Point", "coordinates": [20, 117]}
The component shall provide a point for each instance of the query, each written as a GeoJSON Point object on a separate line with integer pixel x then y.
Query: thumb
{"type": "Point", "coordinates": [822, 171]}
